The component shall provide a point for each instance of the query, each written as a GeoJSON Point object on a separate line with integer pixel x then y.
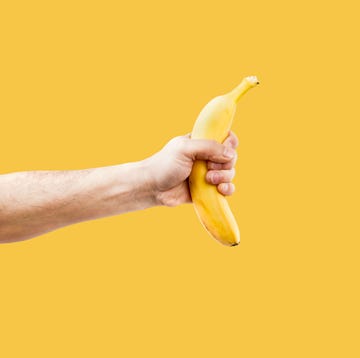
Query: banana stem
{"type": "Point", "coordinates": [243, 87]}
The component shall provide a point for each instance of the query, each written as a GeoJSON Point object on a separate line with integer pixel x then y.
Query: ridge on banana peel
{"type": "Point", "coordinates": [214, 122]}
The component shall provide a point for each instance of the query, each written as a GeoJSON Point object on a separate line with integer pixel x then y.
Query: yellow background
{"type": "Point", "coordinates": [95, 83]}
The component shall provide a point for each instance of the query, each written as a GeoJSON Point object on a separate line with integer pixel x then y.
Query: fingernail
{"type": "Point", "coordinates": [229, 153]}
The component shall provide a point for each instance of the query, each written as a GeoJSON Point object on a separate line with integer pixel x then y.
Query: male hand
{"type": "Point", "coordinates": [171, 167]}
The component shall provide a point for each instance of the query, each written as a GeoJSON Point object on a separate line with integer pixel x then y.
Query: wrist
{"type": "Point", "coordinates": [144, 183]}
{"type": "Point", "coordinates": [147, 181]}
{"type": "Point", "coordinates": [134, 184]}
{"type": "Point", "coordinates": [120, 188]}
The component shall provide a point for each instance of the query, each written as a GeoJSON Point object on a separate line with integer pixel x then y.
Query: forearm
{"type": "Point", "coordinates": [32, 203]}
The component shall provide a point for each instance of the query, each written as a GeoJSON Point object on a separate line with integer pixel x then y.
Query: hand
{"type": "Point", "coordinates": [171, 166]}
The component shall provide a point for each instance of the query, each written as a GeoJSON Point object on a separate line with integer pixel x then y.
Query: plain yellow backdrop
{"type": "Point", "coordinates": [94, 83]}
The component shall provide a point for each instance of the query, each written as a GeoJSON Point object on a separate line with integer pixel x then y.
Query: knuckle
{"type": "Point", "coordinates": [180, 143]}
{"type": "Point", "coordinates": [219, 176]}
{"type": "Point", "coordinates": [174, 141]}
{"type": "Point", "coordinates": [215, 177]}
{"type": "Point", "coordinates": [213, 142]}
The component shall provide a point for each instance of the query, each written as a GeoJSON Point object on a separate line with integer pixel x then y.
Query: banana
{"type": "Point", "coordinates": [214, 122]}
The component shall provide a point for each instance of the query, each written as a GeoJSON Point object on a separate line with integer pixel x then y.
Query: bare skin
{"type": "Point", "coordinates": [36, 202]}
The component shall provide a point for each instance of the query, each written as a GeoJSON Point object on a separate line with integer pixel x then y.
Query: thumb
{"type": "Point", "coordinates": [205, 149]}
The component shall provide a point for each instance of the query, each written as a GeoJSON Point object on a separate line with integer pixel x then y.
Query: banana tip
{"type": "Point", "coordinates": [253, 80]}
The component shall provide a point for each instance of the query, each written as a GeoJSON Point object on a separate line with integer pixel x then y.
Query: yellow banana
{"type": "Point", "coordinates": [214, 122]}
